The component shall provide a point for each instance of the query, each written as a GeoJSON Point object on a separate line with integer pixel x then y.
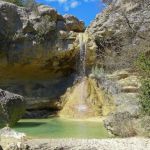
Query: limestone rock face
{"type": "Point", "coordinates": [12, 107]}
{"type": "Point", "coordinates": [10, 139]}
{"type": "Point", "coordinates": [37, 54]}
{"type": "Point", "coordinates": [120, 124]}
{"type": "Point", "coordinates": [122, 121]}
{"type": "Point", "coordinates": [84, 100]}
{"type": "Point", "coordinates": [121, 31]}
{"type": "Point", "coordinates": [72, 23]}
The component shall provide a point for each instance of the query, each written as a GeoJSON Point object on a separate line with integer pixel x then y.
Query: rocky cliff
{"type": "Point", "coordinates": [37, 55]}
{"type": "Point", "coordinates": [38, 52]}
{"type": "Point", "coordinates": [121, 31]}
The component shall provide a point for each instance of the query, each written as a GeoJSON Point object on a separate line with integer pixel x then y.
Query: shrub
{"type": "Point", "coordinates": [145, 96]}
{"type": "Point", "coordinates": [98, 72]}
{"type": "Point", "coordinates": [143, 64]}
{"type": "Point", "coordinates": [44, 28]}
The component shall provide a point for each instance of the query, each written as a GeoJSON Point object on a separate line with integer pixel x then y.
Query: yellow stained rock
{"type": "Point", "coordinates": [84, 100]}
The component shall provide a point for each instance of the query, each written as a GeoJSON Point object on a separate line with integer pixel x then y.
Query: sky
{"type": "Point", "coordinates": [85, 10]}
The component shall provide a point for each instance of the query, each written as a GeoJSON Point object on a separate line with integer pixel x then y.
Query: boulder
{"type": "Point", "coordinates": [47, 10]}
{"type": "Point", "coordinates": [120, 124]}
{"type": "Point", "coordinates": [12, 107]}
{"type": "Point", "coordinates": [12, 140]}
{"type": "Point", "coordinates": [10, 21]}
{"type": "Point", "coordinates": [10, 133]}
{"type": "Point", "coordinates": [73, 24]}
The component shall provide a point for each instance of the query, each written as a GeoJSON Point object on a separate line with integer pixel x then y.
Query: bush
{"type": "Point", "coordinates": [143, 64]}
{"type": "Point", "coordinates": [145, 96]}
{"type": "Point", "coordinates": [46, 26]}
{"type": "Point", "coordinates": [98, 72]}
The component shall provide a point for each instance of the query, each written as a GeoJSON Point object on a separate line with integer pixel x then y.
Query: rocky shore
{"type": "Point", "coordinates": [84, 144]}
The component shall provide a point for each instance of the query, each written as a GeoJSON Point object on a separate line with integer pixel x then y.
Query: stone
{"type": "Point", "coordinates": [28, 28]}
{"type": "Point", "coordinates": [144, 128]}
{"type": "Point", "coordinates": [73, 24]}
{"type": "Point", "coordinates": [120, 124]}
{"type": "Point", "coordinates": [121, 32]}
{"type": "Point", "coordinates": [130, 89]}
{"type": "Point", "coordinates": [41, 55]}
{"type": "Point", "coordinates": [12, 140]}
{"type": "Point", "coordinates": [61, 25]}
{"type": "Point", "coordinates": [12, 107]}
{"type": "Point", "coordinates": [10, 21]}
{"type": "Point", "coordinates": [119, 74]}
{"type": "Point", "coordinates": [47, 10]}
{"type": "Point", "coordinates": [10, 133]}
{"type": "Point", "coordinates": [84, 100]}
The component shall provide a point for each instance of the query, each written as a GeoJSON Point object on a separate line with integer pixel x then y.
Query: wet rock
{"type": "Point", "coordinates": [85, 99]}
{"type": "Point", "coordinates": [12, 107]}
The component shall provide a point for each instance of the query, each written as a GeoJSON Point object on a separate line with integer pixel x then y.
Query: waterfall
{"type": "Point", "coordinates": [82, 71]}
{"type": "Point", "coordinates": [83, 52]}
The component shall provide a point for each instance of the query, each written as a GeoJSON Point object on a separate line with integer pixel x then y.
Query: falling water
{"type": "Point", "coordinates": [82, 57]}
{"type": "Point", "coordinates": [82, 71]}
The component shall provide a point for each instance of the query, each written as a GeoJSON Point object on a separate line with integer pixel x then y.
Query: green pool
{"type": "Point", "coordinates": [61, 128]}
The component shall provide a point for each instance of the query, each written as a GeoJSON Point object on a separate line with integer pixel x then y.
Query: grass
{"type": "Point", "coordinates": [61, 128]}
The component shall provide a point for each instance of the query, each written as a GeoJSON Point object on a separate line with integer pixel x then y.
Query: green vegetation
{"type": "Point", "coordinates": [61, 128]}
{"type": "Point", "coordinates": [98, 72]}
{"type": "Point", "coordinates": [143, 64]}
{"type": "Point", "coordinates": [16, 2]}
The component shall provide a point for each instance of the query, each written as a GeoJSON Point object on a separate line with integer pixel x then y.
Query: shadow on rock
{"type": "Point", "coordinates": [29, 124]}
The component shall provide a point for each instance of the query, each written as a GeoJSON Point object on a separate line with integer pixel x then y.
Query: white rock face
{"type": "Point", "coordinates": [121, 32]}
{"type": "Point", "coordinates": [9, 133]}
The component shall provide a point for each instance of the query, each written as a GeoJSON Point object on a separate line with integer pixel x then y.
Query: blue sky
{"type": "Point", "coordinates": [85, 10]}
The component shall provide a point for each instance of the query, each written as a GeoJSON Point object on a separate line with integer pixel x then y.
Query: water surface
{"type": "Point", "coordinates": [61, 128]}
